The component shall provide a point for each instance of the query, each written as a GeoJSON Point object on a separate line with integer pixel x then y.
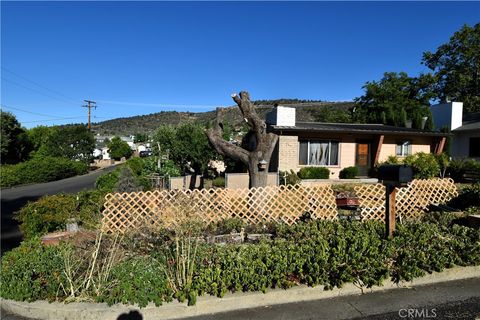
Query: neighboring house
{"type": "Point", "coordinates": [465, 128]}
{"type": "Point", "coordinates": [340, 145]}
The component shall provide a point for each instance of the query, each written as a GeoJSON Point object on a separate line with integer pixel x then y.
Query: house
{"type": "Point", "coordinates": [340, 145]}
{"type": "Point", "coordinates": [465, 128]}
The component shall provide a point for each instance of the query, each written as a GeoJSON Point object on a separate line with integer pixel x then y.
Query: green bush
{"type": "Point", "coordinates": [107, 181]}
{"type": "Point", "coordinates": [424, 165]}
{"type": "Point", "coordinates": [328, 253]}
{"type": "Point", "coordinates": [41, 170]}
{"type": "Point", "coordinates": [219, 182]}
{"type": "Point", "coordinates": [50, 213]}
{"type": "Point", "coordinates": [289, 178]}
{"type": "Point", "coordinates": [138, 280]}
{"type": "Point", "coordinates": [458, 168]}
{"type": "Point", "coordinates": [348, 173]}
{"type": "Point", "coordinates": [469, 196]}
{"type": "Point", "coordinates": [314, 173]}
{"type": "Point", "coordinates": [32, 272]}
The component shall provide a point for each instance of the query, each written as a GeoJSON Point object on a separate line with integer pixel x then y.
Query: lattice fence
{"type": "Point", "coordinates": [127, 211]}
{"type": "Point", "coordinates": [411, 201]}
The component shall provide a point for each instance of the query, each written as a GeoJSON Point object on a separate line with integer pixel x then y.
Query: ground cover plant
{"type": "Point", "coordinates": [162, 265]}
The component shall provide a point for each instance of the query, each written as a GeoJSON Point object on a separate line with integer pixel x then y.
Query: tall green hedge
{"type": "Point", "coordinates": [40, 170]}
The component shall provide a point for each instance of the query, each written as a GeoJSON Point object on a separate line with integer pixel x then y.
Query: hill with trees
{"type": "Point", "coordinates": [147, 124]}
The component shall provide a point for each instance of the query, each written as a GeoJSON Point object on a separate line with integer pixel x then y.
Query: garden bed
{"type": "Point", "coordinates": [168, 265]}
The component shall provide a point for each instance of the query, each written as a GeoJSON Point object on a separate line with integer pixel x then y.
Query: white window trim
{"type": "Point", "coordinates": [404, 148]}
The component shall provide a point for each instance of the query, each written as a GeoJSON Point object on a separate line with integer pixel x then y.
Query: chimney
{"type": "Point", "coordinates": [448, 114]}
{"type": "Point", "coordinates": [281, 116]}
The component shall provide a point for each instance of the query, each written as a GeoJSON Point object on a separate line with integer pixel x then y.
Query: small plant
{"type": "Point", "coordinates": [348, 173]}
{"type": "Point", "coordinates": [314, 173]}
{"type": "Point", "coordinates": [219, 182]}
{"type": "Point", "coordinates": [289, 178]}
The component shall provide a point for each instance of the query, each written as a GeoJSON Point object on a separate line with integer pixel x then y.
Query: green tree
{"type": "Point", "coordinates": [119, 149]}
{"type": "Point", "coordinates": [456, 65]}
{"type": "Point", "coordinates": [192, 148]}
{"type": "Point", "coordinates": [39, 136]}
{"type": "Point", "coordinates": [71, 142]}
{"type": "Point", "coordinates": [140, 137]}
{"type": "Point", "coordinates": [14, 142]}
{"type": "Point", "coordinates": [395, 91]}
{"type": "Point", "coordinates": [166, 136]}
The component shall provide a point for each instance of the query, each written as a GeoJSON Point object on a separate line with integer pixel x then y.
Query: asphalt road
{"type": "Point", "coordinates": [12, 199]}
{"type": "Point", "coordinates": [448, 300]}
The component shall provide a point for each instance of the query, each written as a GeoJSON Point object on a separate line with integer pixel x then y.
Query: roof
{"type": "Point", "coordinates": [355, 128]}
{"type": "Point", "coordinates": [471, 121]}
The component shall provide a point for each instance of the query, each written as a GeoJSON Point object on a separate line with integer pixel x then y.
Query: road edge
{"type": "Point", "coordinates": [209, 304]}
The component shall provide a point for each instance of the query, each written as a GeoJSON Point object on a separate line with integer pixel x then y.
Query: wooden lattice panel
{"type": "Point", "coordinates": [411, 201]}
{"type": "Point", "coordinates": [127, 211]}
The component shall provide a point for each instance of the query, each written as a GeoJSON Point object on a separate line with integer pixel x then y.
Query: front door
{"type": "Point", "coordinates": [362, 159]}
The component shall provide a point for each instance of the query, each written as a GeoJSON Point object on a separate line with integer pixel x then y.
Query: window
{"type": "Point", "coordinates": [474, 147]}
{"type": "Point", "coordinates": [319, 153]}
{"type": "Point", "coordinates": [404, 148]}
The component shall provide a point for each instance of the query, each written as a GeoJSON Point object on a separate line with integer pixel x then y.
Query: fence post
{"type": "Point", "coordinates": [390, 194]}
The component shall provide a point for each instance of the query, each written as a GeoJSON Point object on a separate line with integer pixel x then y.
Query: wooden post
{"type": "Point", "coordinates": [390, 210]}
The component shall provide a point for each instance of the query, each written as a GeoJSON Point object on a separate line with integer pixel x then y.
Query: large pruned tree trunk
{"type": "Point", "coordinates": [262, 146]}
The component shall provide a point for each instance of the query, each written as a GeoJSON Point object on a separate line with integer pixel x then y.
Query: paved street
{"type": "Point", "coordinates": [12, 199]}
{"type": "Point", "coordinates": [448, 300]}
{"type": "Point", "coordinates": [452, 300]}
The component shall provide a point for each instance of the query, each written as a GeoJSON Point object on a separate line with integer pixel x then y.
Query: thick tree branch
{"type": "Point", "coordinates": [223, 147]}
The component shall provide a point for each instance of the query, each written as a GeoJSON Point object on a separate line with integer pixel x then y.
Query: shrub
{"type": "Point", "coordinates": [289, 178]}
{"type": "Point", "coordinates": [348, 173]}
{"type": "Point", "coordinates": [314, 173]}
{"type": "Point", "coordinates": [469, 197]}
{"type": "Point", "coordinates": [107, 181]}
{"type": "Point", "coordinates": [424, 165]}
{"type": "Point", "coordinates": [32, 272]}
{"type": "Point", "coordinates": [219, 182]}
{"type": "Point", "coordinates": [41, 170]}
{"type": "Point", "coordinates": [138, 280]}
{"type": "Point", "coordinates": [119, 149]}
{"type": "Point", "coordinates": [458, 168]}
{"type": "Point", "coordinates": [50, 213]}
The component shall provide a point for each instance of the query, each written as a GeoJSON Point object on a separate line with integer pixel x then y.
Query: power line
{"type": "Point", "coordinates": [37, 84]}
{"type": "Point", "coordinates": [37, 91]}
{"type": "Point", "coordinates": [26, 111]}
{"type": "Point", "coordinates": [56, 119]}
{"type": "Point", "coordinates": [161, 105]}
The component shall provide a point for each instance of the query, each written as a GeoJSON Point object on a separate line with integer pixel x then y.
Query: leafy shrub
{"type": "Point", "coordinates": [469, 197]}
{"type": "Point", "coordinates": [458, 168]}
{"type": "Point", "coordinates": [317, 252]}
{"type": "Point", "coordinates": [50, 213]}
{"type": "Point", "coordinates": [314, 173]}
{"type": "Point", "coordinates": [138, 280]}
{"type": "Point", "coordinates": [219, 182]}
{"type": "Point", "coordinates": [348, 173]}
{"type": "Point", "coordinates": [119, 149]}
{"type": "Point", "coordinates": [289, 178]}
{"type": "Point", "coordinates": [424, 165]}
{"type": "Point", "coordinates": [41, 170]}
{"type": "Point", "coordinates": [107, 181]}
{"type": "Point", "coordinates": [32, 272]}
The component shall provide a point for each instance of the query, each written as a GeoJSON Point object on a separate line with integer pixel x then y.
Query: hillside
{"type": "Point", "coordinates": [306, 111]}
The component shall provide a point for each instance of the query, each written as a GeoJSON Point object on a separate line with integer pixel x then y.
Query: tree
{"type": "Point", "coordinates": [119, 149]}
{"type": "Point", "coordinates": [260, 148]}
{"type": "Point", "coordinates": [392, 94]}
{"type": "Point", "coordinates": [187, 146]}
{"type": "Point", "coordinates": [140, 137]}
{"type": "Point", "coordinates": [14, 143]}
{"type": "Point", "coordinates": [72, 142]}
{"type": "Point", "coordinates": [38, 137]}
{"type": "Point", "coordinates": [456, 66]}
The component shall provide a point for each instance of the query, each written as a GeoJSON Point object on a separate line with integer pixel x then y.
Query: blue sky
{"type": "Point", "coordinates": [145, 57]}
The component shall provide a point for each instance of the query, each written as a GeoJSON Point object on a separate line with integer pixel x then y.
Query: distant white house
{"type": "Point", "coordinates": [465, 128]}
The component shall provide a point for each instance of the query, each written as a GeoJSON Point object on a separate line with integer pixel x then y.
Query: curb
{"type": "Point", "coordinates": [209, 304]}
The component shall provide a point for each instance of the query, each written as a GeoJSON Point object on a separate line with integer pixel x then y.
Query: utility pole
{"type": "Point", "coordinates": [91, 104]}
